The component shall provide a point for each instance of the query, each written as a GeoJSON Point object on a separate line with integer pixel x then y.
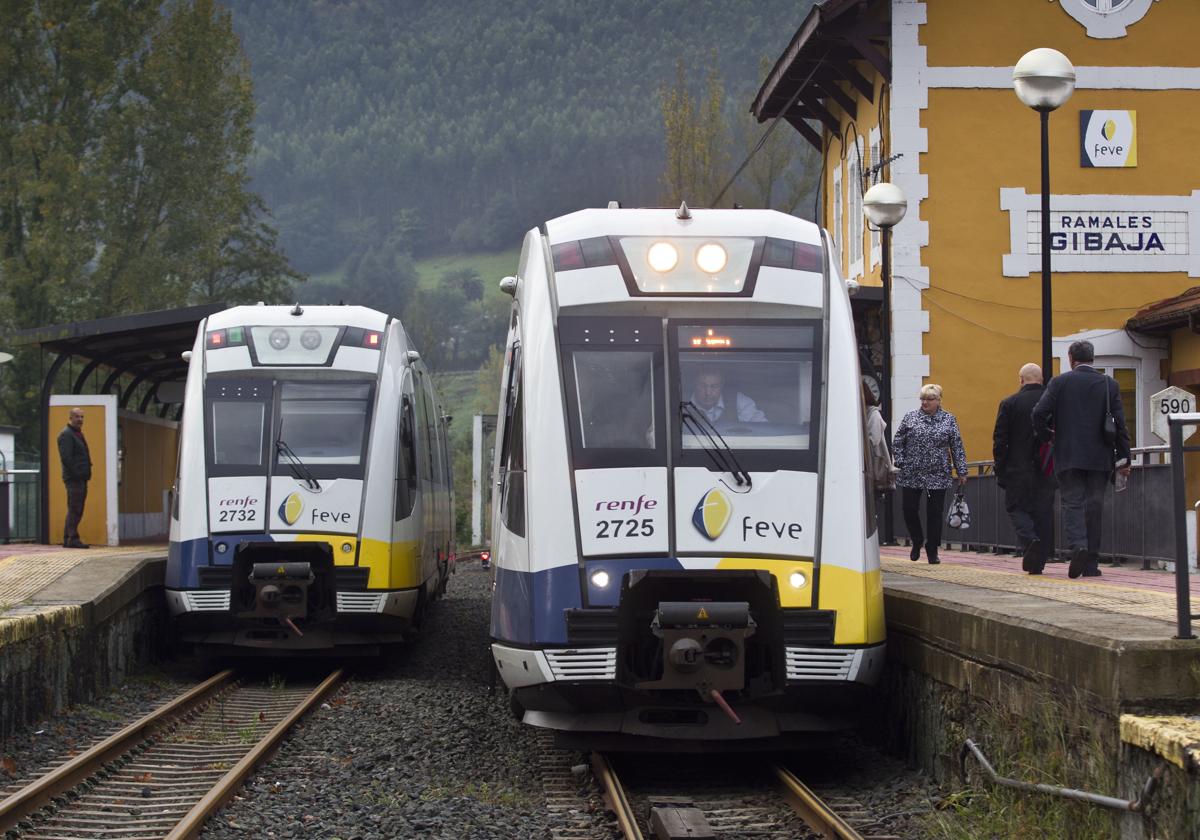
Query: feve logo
{"type": "Point", "coordinates": [712, 513]}
{"type": "Point", "coordinates": [291, 508]}
{"type": "Point", "coordinates": [1108, 138]}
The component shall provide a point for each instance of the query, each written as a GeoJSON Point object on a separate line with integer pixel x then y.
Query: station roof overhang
{"type": "Point", "coordinates": [146, 347]}
{"type": "Point", "coordinates": [806, 83]}
{"type": "Point", "coordinates": [1173, 313]}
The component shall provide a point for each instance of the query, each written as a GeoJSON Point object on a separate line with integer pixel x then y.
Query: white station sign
{"type": "Point", "coordinates": [1169, 401]}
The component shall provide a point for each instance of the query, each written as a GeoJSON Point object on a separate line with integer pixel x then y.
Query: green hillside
{"type": "Point", "coordinates": [433, 127]}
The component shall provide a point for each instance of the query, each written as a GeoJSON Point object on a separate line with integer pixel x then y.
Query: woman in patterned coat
{"type": "Point", "coordinates": [926, 441]}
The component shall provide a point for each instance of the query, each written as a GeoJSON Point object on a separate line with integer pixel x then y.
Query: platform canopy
{"type": "Point", "coordinates": [142, 348]}
{"type": "Point", "coordinates": [807, 80]}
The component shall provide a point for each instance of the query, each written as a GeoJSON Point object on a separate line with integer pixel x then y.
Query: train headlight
{"type": "Point", "coordinates": [309, 339]}
{"type": "Point", "coordinates": [711, 258]}
{"type": "Point", "coordinates": [662, 256]}
{"type": "Point", "coordinates": [221, 548]}
{"type": "Point", "coordinates": [600, 579]}
{"type": "Point", "coordinates": [797, 580]}
{"type": "Point", "coordinates": [280, 339]}
{"type": "Point", "coordinates": [347, 548]}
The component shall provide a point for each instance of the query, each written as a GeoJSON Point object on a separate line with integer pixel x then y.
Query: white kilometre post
{"type": "Point", "coordinates": [477, 480]}
{"type": "Point", "coordinates": [1172, 400]}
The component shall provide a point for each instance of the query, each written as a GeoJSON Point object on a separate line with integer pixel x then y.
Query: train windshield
{"type": "Point", "coordinates": [325, 423]}
{"type": "Point", "coordinates": [753, 384]}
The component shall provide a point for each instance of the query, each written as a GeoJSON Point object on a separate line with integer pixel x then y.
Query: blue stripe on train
{"type": "Point", "coordinates": [184, 558]}
{"type": "Point", "coordinates": [528, 608]}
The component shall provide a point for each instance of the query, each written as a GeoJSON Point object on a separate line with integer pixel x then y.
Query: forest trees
{"type": "Point", "coordinates": [125, 127]}
{"type": "Point", "coordinates": [124, 133]}
{"type": "Point", "coordinates": [703, 145]}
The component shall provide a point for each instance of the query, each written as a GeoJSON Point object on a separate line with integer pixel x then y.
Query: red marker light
{"type": "Point", "coordinates": [216, 339]}
{"type": "Point", "coordinates": [485, 556]}
{"type": "Point", "coordinates": [371, 340]}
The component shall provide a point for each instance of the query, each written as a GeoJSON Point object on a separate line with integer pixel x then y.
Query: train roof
{"type": "Point", "coordinates": [585, 224]}
{"type": "Point", "coordinates": [353, 316]}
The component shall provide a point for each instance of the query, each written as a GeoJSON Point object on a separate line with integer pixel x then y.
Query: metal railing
{"type": "Point", "coordinates": [20, 508]}
{"type": "Point", "coordinates": [1178, 496]}
{"type": "Point", "coordinates": [1138, 522]}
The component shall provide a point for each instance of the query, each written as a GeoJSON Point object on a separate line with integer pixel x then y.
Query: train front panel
{"type": "Point", "coordinates": [302, 518]}
{"type": "Point", "coordinates": [716, 574]}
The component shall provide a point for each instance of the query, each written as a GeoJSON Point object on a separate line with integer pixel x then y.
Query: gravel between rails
{"type": "Point", "coordinates": [52, 741]}
{"type": "Point", "coordinates": [411, 747]}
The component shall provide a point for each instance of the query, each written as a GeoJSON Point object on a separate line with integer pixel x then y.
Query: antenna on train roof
{"type": "Point", "coordinates": [614, 205]}
{"type": "Point", "coordinates": [296, 310]}
{"type": "Point", "coordinates": [683, 212]}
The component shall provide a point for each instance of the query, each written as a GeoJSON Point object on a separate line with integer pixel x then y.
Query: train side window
{"type": "Point", "coordinates": [512, 495]}
{"type": "Point", "coordinates": [406, 463]}
{"type": "Point", "coordinates": [424, 459]}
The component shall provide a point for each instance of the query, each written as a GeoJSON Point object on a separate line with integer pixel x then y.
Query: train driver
{"type": "Point", "coordinates": [708, 395]}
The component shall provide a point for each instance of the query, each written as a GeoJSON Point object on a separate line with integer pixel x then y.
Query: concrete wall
{"type": "Point", "coordinates": [54, 657]}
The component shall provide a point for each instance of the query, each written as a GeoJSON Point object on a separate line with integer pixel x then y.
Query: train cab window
{"type": "Point", "coordinates": [615, 394]}
{"type": "Point", "coordinates": [754, 385]}
{"type": "Point", "coordinates": [325, 424]}
{"type": "Point", "coordinates": [238, 416]}
{"type": "Point", "coordinates": [614, 378]}
{"type": "Point", "coordinates": [237, 437]}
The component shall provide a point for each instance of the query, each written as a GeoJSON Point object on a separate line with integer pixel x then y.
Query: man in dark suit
{"type": "Point", "coordinates": [76, 473]}
{"type": "Point", "coordinates": [1028, 491]}
{"type": "Point", "coordinates": [1073, 411]}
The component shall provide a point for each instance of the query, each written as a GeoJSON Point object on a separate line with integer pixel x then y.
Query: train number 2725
{"type": "Point", "coordinates": [241, 515]}
{"type": "Point", "coordinates": [611, 528]}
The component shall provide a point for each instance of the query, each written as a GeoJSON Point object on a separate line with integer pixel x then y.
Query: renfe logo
{"type": "Point", "coordinates": [636, 505]}
{"type": "Point", "coordinates": [712, 514]}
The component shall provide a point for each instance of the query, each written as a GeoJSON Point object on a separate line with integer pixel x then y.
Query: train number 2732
{"type": "Point", "coordinates": [612, 528]}
{"type": "Point", "coordinates": [241, 515]}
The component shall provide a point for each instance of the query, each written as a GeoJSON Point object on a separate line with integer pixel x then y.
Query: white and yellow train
{"type": "Point", "coordinates": [312, 508]}
{"type": "Point", "coordinates": [683, 540]}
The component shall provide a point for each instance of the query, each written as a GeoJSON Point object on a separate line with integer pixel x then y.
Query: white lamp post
{"type": "Point", "coordinates": [1044, 79]}
{"type": "Point", "coordinates": [885, 205]}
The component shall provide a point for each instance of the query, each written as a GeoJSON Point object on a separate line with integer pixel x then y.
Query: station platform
{"type": "Point", "coordinates": [1108, 638]}
{"type": "Point", "coordinates": [74, 623]}
{"type": "Point", "coordinates": [43, 580]}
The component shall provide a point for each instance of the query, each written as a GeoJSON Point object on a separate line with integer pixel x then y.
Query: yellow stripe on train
{"type": "Point", "coordinates": [856, 597]}
{"type": "Point", "coordinates": [392, 565]}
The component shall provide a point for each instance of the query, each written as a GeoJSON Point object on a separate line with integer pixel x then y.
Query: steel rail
{"type": "Point", "coordinates": [37, 794]}
{"type": "Point", "coordinates": [812, 810]}
{"type": "Point", "coordinates": [614, 793]}
{"type": "Point", "coordinates": [228, 784]}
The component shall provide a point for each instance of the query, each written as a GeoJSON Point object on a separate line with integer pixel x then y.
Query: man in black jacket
{"type": "Point", "coordinates": [76, 472]}
{"type": "Point", "coordinates": [1028, 490]}
{"type": "Point", "coordinates": [1074, 411]}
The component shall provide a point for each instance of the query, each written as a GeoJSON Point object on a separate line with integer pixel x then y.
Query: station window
{"type": "Point", "coordinates": [1105, 7]}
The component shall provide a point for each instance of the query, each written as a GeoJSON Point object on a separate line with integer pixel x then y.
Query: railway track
{"type": "Point", "coordinates": [164, 775]}
{"type": "Point", "coordinates": [726, 797]}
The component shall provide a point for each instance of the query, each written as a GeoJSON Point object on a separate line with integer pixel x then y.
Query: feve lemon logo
{"type": "Point", "coordinates": [712, 514]}
{"type": "Point", "coordinates": [290, 508]}
{"type": "Point", "coordinates": [1108, 138]}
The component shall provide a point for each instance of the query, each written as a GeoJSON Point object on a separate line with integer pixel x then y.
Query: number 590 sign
{"type": "Point", "coordinates": [1170, 401]}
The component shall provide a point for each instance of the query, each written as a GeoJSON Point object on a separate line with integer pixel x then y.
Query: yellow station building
{"type": "Point", "coordinates": [919, 93]}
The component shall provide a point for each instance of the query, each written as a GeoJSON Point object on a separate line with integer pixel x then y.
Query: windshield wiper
{"type": "Point", "coordinates": [298, 468]}
{"type": "Point", "coordinates": [716, 446]}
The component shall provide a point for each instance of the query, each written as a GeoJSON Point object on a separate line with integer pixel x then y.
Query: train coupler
{"type": "Point", "coordinates": [703, 644]}
{"type": "Point", "coordinates": [280, 591]}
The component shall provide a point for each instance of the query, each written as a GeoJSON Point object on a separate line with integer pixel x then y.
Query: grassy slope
{"type": "Point", "coordinates": [490, 267]}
